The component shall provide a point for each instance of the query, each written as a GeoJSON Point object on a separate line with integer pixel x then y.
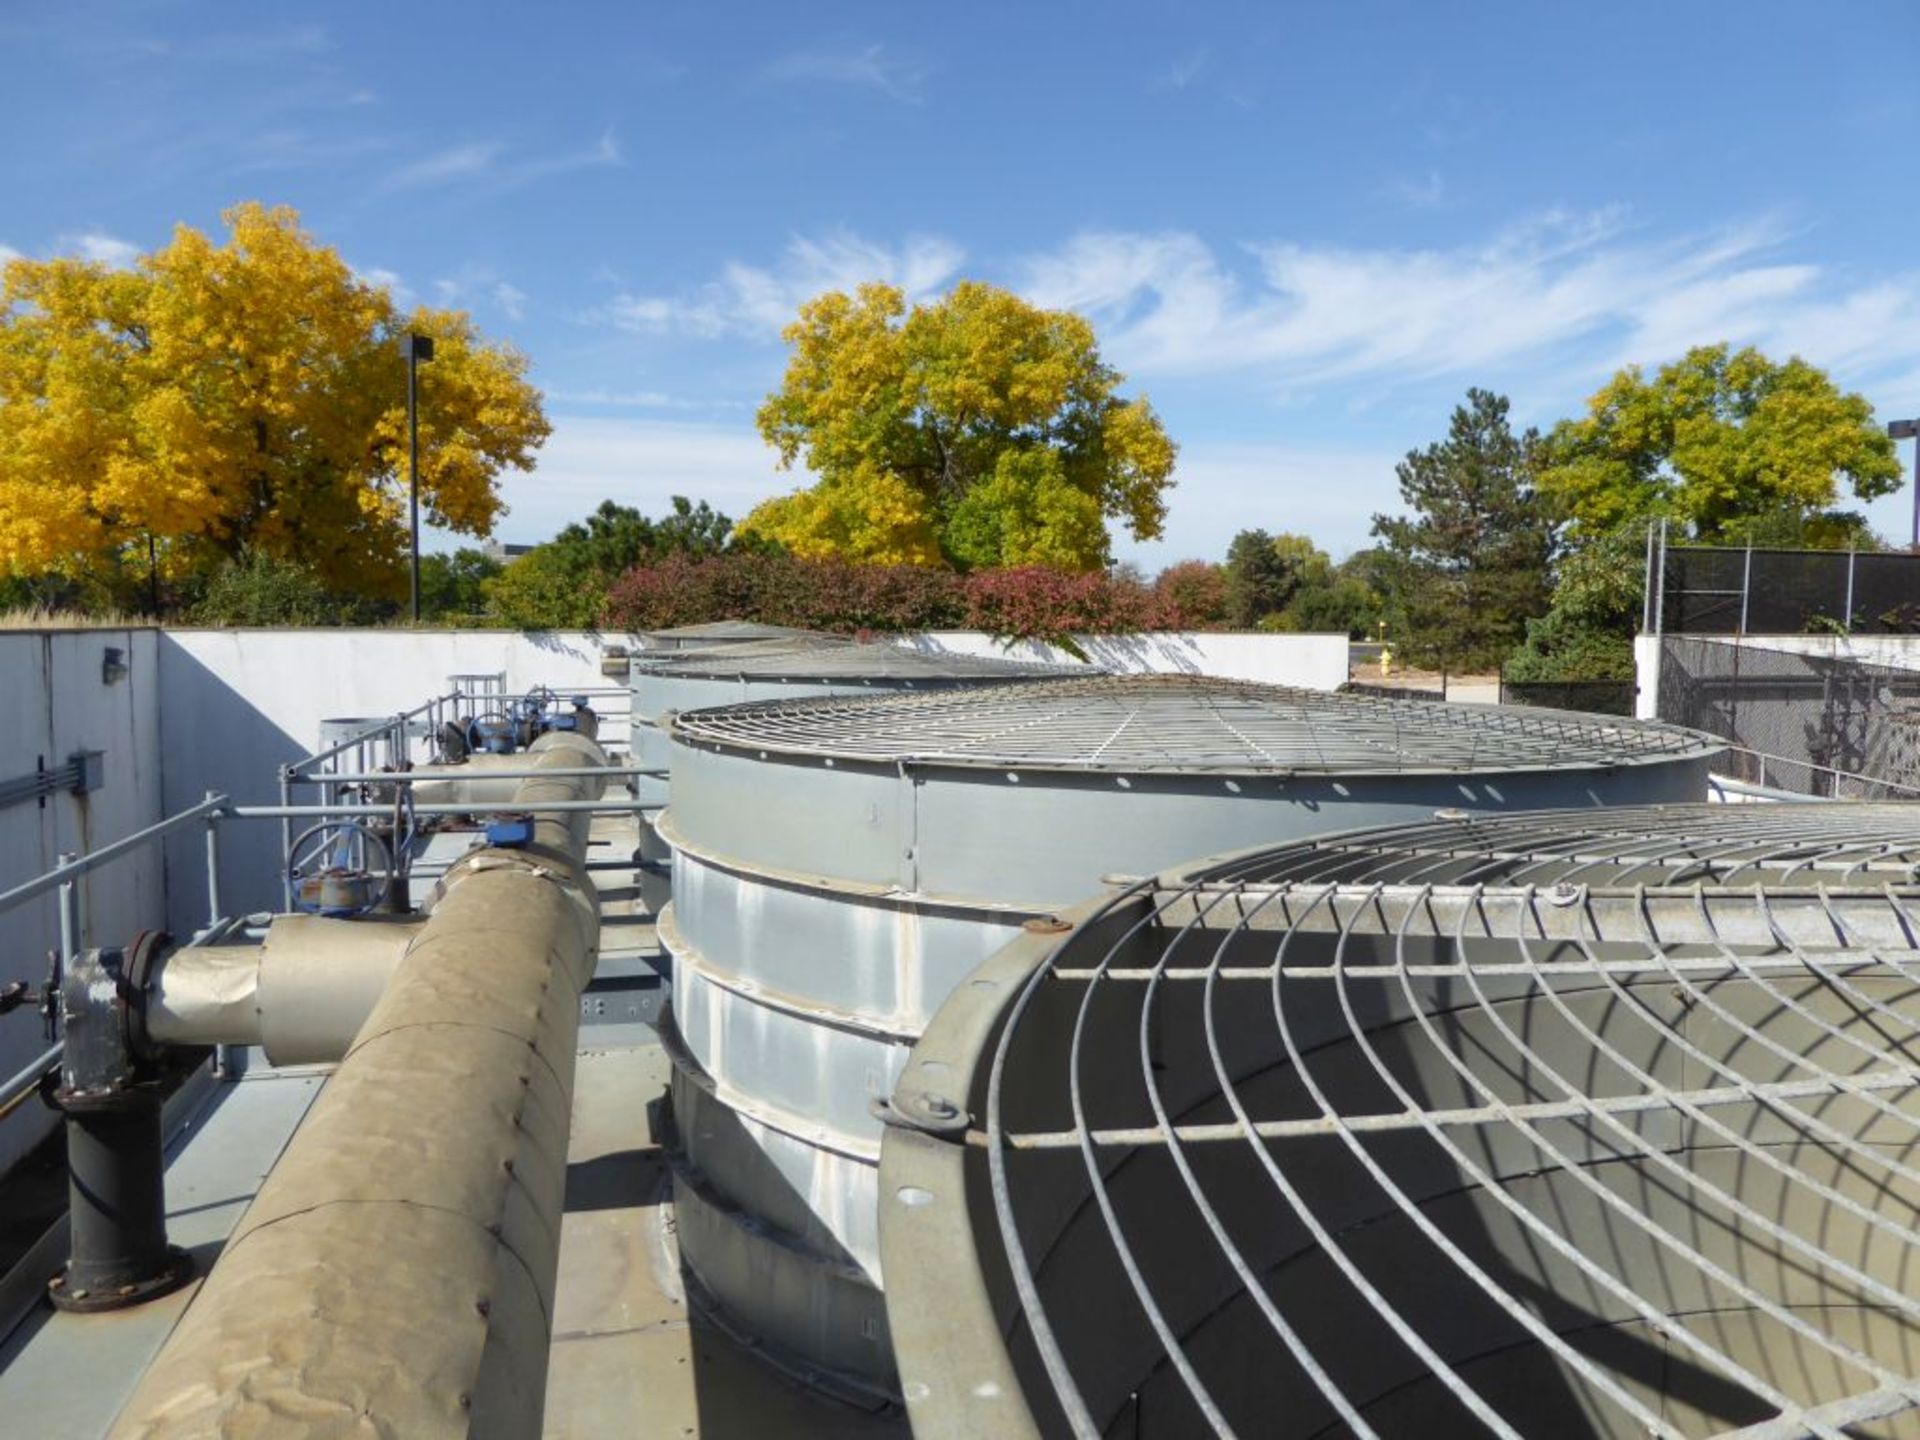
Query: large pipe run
{"type": "Point", "coordinates": [395, 1274]}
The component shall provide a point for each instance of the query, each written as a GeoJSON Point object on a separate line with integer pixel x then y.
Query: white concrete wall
{"type": "Point", "coordinates": [1646, 677]}
{"type": "Point", "coordinates": [57, 701]}
{"type": "Point", "coordinates": [236, 705]}
{"type": "Point", "coordinates": [1312, 662]}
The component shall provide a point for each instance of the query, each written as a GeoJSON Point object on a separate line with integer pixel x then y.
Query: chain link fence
{"type": "Point", "coordinates": [1703, 591]}
{"type": "Point", "coordinates": [1811, 724]}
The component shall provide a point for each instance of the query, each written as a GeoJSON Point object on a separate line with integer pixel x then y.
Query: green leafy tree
{"type": "Point", "coordinates": [1343, 599]}
{"type": "Point", "coordinates": [1726, 443]}
{"type": "Point", "coordinates": [267, 590]}
{"type": "Point", "coordinates": [1468, 566]}
{"type": "Point", "coordinates": [976, 431]}
{"type": "Point", "coordinates": [453, 587]}
{"type": "Point", "coordinates": [563, 584]}
{"type": "Point", "coordinates": [1587, 633]}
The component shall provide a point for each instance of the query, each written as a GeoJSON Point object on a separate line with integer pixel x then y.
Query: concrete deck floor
{"type": "Point", "coordinates": [629, 1355]}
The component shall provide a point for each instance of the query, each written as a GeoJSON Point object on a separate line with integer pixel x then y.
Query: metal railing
{"type": "Point", "coordinates": [391, 735]}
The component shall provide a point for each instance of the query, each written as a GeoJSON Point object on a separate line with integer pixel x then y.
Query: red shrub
{"type": "Point", "coordinates": [1033, 602]}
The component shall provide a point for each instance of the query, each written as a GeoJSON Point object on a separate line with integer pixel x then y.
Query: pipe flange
{"type": "Point", "coordinates": [146, 948]}
{"type": "Point", "coordinates": [177, 1271]}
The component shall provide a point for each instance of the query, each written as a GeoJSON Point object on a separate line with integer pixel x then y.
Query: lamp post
{"type": "Point", "coordinates": [419, 350]}
{"type": "Point", "coordinates": [1910, 430]}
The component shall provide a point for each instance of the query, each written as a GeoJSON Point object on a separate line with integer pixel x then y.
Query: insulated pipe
{"type": "Point", "coordinates": [395, 1274]}
{"type": "Point", "coordinates": [302, 995]}
{"type": "Point", "coordinates": [467, 783]}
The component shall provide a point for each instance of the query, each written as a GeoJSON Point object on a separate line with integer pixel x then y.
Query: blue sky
{"type": "Point", "coordinates": [1303, 230]}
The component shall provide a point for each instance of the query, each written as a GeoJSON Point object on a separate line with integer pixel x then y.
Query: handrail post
{"type": "Point", "coordinates": [213, 862]}
{"type": "Point", "coordinates": [286, 839]}
{"type": "Point", "coordinates": [69, 915]}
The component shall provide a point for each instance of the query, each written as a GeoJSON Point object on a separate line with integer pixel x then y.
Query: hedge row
{"type": "Point", "coordinates": [1029, 602]}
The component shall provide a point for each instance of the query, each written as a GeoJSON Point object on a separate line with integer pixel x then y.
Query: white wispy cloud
{"type": "Point", "coordinates": [100, 248]}
{"type": "Point", "coordinates": [756, 301]}
{"type": "Point", "coordinates": [1580, 290]}
{"type": "Point", "coordinates": [604, 153]}
{"type": "Point", "coordinates": [511, 299]}
{"type": "Point", "coordinates": [388, 280]}
{"type": "Point", "coordinates": [496, 166]}
{"type": "Point", "coordinates": [1181, 73]}
{"type": "Point", "coordinates": [475, 285]}
{"type": "Point", "coordinates": [1427, 192]}
{"type": "Point", "coordinates": [868, 67]}
{"type": "Point", "coordinates": [453, 163]}
{"type": "Point", "coordinates": [1330, 494]}
{"type": "Point", "coordinates": [294, 149]}
{"type": "Point", "coordinates": [633, 400]}
{"type": "Point", "coordinates": [7, 252]}
{"type": "Point", "coordinates": [641, 462]}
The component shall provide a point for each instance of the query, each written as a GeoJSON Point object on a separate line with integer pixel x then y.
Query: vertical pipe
{"type": "Point", "coordinates": [69, 915]}
{"type": "Point", "coordinates": [286, 842]}
{"type": "Point", "coordinates": [1746, 587]}
{"type": "Point", "coordinates": [1846, 622]}
{"type": "Point", "coordinates": [117, 1208]}
{"type": "Point", "coordinates": [222, 1054]}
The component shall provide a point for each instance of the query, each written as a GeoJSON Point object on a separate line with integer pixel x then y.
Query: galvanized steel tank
{"type": "Point", "coordinates": [1579, 1123]}
{"type": "Point", "coordinates": [653, 694]}
{"type": "Point", "coordinates": [793, 666]}
{"type": "Point", "coordinates": [841, 865]}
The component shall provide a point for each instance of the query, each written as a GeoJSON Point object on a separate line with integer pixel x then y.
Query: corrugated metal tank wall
{"type": "Point", "coordinates": [839, 867]}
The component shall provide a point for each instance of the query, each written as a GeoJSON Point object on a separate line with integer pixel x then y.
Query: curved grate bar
{"type": "Point", "coordinates": [1692, 1032]}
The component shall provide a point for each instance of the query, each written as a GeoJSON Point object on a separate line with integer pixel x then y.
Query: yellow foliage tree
{"type": "Point", "coordinates": [976, 431]}
{"type": "Point", "coordinates": [242, 398]}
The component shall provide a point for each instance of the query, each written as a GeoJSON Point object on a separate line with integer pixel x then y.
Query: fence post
{"type": "Point", "coordinates": [1746, 588]}
{"type": "Point", "coordinates": [1646, 590]}
{"type": "Point", "coordinates": [1660, 579]}
{"type": "Point", "coordinates": [1846, 616]}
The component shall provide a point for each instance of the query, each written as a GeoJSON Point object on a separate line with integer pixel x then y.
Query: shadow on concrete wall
{"type": "Point", "coordinates": [1154, 654]}
{"type": "Point", "coordinates": [214, 738]}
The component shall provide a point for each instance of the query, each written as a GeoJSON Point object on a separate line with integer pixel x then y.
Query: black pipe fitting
{"type": "Point", "coordinates": [110, 1090]}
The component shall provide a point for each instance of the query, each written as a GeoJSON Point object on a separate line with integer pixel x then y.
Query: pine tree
{"type": "Point", "coordinates": [1468, 566]}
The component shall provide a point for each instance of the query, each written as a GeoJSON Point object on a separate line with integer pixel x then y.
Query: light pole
{"type": "Point", "coordinates": [419, 350]}
{"type": "Point", "coordinates": [1910, 430]}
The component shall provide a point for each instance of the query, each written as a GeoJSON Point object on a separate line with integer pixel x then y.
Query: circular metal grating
{"type": "Point", "coordinates": [1562, 1123]}
{"type": "Point", "coordinates": [738, 650]}
{"type": "Point", "coordinates": [1187, 723]}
